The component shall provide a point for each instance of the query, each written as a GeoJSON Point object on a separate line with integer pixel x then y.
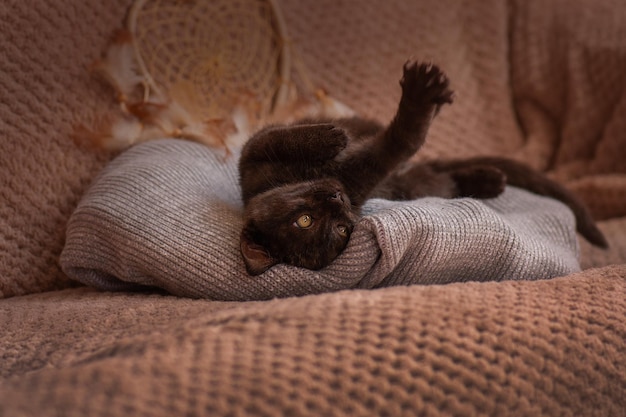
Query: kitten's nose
{"type": "Point", "coordinates": [337, 197]}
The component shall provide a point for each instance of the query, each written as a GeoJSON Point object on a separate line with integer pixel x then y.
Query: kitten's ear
{"type": "Point", "coordinates": [256, 257]}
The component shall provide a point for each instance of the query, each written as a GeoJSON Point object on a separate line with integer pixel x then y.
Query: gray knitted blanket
{"type": "Point", "coordinates": [168, 214]}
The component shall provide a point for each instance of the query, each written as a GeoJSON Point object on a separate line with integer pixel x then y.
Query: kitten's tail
{"type": "Point", "coordinates": [523, 176]}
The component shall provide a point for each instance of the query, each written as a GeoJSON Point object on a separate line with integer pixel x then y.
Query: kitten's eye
{"type": "Point", "coordinates": [343, 231]}
{"type": "Point", "coordinates": [305, 221]}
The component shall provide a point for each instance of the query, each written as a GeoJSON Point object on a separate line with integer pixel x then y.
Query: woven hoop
{"type": "Point", "coordinates": [219, 54]}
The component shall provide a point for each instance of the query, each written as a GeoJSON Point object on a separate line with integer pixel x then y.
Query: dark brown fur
{"type": "Point", "coordinates": [328, 169]}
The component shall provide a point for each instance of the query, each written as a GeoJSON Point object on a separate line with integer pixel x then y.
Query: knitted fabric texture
{"type": "Point", "coordinates": [515, 348]}
{"type": "Point", "coordinates": [168, 214]}
{"type": "Point", "coordinates": [541, 83]}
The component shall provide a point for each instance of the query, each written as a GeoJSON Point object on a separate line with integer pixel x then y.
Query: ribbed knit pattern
{"type": "Point", "coordinates": [168, 214]}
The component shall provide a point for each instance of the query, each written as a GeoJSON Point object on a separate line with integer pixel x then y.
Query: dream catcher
{"type": "Point", "coordinates": [212, 71]}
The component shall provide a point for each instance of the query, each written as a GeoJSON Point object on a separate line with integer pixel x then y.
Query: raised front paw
{"type": "Point", "coordinates": [425, 85]}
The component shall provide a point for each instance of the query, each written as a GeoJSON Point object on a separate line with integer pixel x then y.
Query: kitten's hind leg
{"type": "Point", "coordinates": [433, 179]}
{"type": "Point", "coordinates": [469, 178]}
{"type": "Point", "coordinates": [479, 181]}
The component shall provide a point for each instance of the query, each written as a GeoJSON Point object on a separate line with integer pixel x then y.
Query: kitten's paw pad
{"type": "Point", "coordinates": [480, 182]}
{"type": "Point", "coordinates": [425, 84]}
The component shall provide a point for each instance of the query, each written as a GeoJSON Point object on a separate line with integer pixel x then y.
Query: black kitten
{"type": "Point", "coordinates": [303, 185]}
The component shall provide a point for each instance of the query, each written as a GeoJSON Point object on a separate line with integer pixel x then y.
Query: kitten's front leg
{"type": "Point", "coordinates": [425, 88]}
{"type": "Point", "coordinates": [316, 142]}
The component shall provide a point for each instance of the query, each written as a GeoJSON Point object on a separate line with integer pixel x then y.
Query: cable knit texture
{"type": "Point", "coordinates": [539, 81]}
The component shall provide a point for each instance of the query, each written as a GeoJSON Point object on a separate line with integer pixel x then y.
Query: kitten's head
{"type": "Point", "coordinates": [306, 224]}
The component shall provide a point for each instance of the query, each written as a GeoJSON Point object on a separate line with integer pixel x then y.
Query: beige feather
{"type": "Point", "coordinates": [110, 133]}
{"type": "Point", "coordinates": [119, 67]}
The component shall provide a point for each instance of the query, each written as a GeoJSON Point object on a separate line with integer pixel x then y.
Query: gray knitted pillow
{"type": "Point", "coordinates": [168, 214]}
